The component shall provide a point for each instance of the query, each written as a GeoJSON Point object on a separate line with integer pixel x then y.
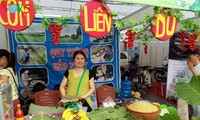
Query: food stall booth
{"type": "Point", "coordinates": [50, 50]}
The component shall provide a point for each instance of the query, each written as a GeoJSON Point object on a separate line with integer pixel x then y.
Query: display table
{"type": "Point", "coordinates": [35, 110]}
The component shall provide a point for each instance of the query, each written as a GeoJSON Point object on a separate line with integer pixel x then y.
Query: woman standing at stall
{"type": "Point", "coordinates": [7, 74]}
{"type": "Point", "coordinates": [80, 81]}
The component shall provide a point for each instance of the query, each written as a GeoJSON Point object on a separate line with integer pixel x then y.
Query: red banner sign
{"type": "Point", "coordinates": [165, 26]}
{"type": "Point", "coordinates": [16, 15]}
{"type": "Point", "coordinates": [95, 19]}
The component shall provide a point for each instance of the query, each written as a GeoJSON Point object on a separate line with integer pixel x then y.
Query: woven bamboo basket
{"type": "Point", "coordinates": [144, 115]}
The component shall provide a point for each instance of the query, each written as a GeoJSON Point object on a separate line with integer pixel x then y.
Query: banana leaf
{"type": "Point", "coordinates": [172, 115]}
{"type": "Point", "coordinates": [171, 109]}
{"type": "Point", "coordinates": [71, 101]}
{"type": "Point", "coordinates": [45, 117]}
{"type": "Point", "coordinates": [110, 113]}
{"type": "Point", "coordinates": [169, 117]}
{"type": "Point", "coordinates": [36, 109]}
{"type": "Point", "coordinates": [189, 92]}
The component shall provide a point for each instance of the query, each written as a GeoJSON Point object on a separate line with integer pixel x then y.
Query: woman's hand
{"type": "Point", "coordinates": [190, 65]}
{"type": "Point", "coordinates": [82, 100]}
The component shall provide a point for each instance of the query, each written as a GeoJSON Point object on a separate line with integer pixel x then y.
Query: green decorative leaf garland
{"type": "Point", "coordinates": [121, 23]}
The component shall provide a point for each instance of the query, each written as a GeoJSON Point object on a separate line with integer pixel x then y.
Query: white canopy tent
{"type": "Point", "coordinates": [70, 8]}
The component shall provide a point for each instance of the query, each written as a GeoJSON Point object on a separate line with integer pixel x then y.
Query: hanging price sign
{"type": "Point", "coordinates": [16, 15]}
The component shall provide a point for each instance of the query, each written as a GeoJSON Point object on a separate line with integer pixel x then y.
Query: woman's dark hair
{"type": "Point", "coordinates": [10, 57]}
{"type": "Point", "coordinates": [78, 52]}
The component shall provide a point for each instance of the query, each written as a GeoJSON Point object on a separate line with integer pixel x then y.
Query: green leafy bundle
{"type": "Point", "coordinates": [117, 113]}
{"type": "Point", "coordinates": [73, 103]}
{"type": "Point", "coordinates": [45, 117]}
{"type": "Point", "coordinates": [172, 115]}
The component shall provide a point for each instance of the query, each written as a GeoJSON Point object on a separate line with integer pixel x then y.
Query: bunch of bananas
{"type": "Point", "coordinates": [70, 114]}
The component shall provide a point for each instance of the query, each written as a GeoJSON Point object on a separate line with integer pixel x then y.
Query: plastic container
{"type": "Point", "coordinates": [126, 88]}
{"type": "Point", "coordinates": [94, 101]}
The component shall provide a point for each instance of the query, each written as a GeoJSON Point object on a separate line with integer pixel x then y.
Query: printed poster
{"type": "Point", "coordinates": [40, 60]}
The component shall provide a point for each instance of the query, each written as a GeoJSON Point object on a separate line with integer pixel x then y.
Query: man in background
{"type": "Point", "coordinates": [193, 69]}
{"type": "Point", "coordinates": [193, 64]}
